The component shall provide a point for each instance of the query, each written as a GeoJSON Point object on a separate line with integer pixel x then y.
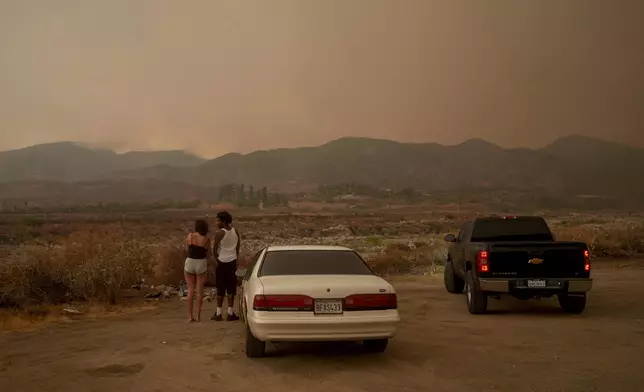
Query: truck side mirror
{"type": "Point", "coordinates": [450, 238]}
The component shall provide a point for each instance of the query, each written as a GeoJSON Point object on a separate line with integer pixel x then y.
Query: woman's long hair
{"type": "Point", "coordinates": [201, 227]}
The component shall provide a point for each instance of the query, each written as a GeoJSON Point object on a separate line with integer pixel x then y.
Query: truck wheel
{"type": "Point", "coordinates": [376, 345]}
{"type": "Point", "coordinates": [476, 298]}
{"type": "Point", "coordinates": [453, 283]}
{"type": "Point", "coordinates": [573, 303]}
{"type": "Point", "coordinates": [255, 348]}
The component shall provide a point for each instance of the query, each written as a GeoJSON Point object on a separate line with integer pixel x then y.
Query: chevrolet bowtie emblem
{"type": "Point", "coordinates": [535, 261]}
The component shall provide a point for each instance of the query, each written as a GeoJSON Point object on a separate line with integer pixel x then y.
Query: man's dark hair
{"type": "Point", "coordinates": [201, 227]}
{"type": "Point", "coordinates": [225, 217]}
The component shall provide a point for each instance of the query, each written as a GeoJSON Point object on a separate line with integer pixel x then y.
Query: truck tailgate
{"type": "Point", "coordinates": [537, 259]}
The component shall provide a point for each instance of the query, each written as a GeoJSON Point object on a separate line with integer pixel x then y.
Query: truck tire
{"type": "Point", "coordinates": [255, 348]}
{"type": "Point", "coordinates": [476, 298]}
{"type": "Point", "coordinates": [572, 303]}
{"type": "Point", "coordinates": [453, 283]}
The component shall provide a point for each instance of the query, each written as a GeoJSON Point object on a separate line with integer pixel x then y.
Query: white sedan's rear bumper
{"type": "Point", "coordinates": [287, 327]}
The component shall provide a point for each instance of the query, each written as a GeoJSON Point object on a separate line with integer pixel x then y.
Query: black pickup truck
{"type": "Point", "coordinates": [517, 256]}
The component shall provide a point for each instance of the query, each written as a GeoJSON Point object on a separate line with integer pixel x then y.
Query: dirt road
{"type": "Point", "coordinates": [522, 346]}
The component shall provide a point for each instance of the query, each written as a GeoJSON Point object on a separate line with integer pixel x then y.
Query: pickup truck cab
{"type": "Point", "coordinates": [517, 256]}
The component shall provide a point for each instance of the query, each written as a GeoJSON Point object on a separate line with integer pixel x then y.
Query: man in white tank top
{"type": "Point", "coordinates": [226, 250]}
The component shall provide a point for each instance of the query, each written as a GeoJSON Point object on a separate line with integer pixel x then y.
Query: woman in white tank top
{"type": "Point", "coordinates": [226, 249]}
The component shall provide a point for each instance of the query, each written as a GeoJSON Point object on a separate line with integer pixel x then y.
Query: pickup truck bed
{"type": "Point", "coordinates": [488, 262]}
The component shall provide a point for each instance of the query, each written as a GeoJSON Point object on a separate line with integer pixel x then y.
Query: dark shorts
{"type": "Point", "coordinates": [225, 278]}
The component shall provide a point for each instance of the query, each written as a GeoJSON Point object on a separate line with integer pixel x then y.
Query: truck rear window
{"type": "Point", "coordinates": [313, 262]}
{"type": "Point", "coordinates": [518, 229]}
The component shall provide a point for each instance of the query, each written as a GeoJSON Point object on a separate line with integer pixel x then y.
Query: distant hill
{"type": "Point", "coordinates": [70, 162]}
{"type": "Point", "coordinates": [570, 166]}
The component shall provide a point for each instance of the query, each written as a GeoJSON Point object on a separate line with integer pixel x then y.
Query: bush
{"type": "Point", "coordinates": [398, 258]}
{"type": "Point", "coordinates": [609, 240]}
{"type": "Point", "coordinates": [170, 262]}
{"type": "Point", "coordinates": [92, 265]}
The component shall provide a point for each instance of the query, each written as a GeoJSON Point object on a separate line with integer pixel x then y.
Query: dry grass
{"type": "Point", "coordinates": [398, 258]}
{"type": "Point", "coordinates": [35, 317]}
{"type": "Point", "coordinates": [90, 265]}
{"type": "Point", "coordinates": [617, 239]}
{"type": "Point", "coordinates": [95, 259]}
{"type": "Point", "coordinates": [169, 264]}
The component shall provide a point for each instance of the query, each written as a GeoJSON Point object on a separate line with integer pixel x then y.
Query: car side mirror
{"type": "Point", "coordinates": [241, 272]}
{"type": "Point", "coordinates": [450, 238]}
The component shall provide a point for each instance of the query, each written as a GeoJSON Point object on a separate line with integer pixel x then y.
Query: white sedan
{"type": "Point", "coordinates": [315, 293]}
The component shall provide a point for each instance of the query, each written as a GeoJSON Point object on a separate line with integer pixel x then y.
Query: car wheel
{"type": "Point", "coordinates": [572, 303]}
{"type": "Point", "coordinates": [453, 283]}
{"type": "Point", "coordinates": [255, 348]}
{"type": "Point", "coordinates": [376, 345]}
{"type": "Point", "coordinates": [476, 298]}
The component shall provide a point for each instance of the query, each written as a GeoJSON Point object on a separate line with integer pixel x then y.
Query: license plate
{"type": "Point", "coordinates": [328, 306]}
{"type": "Point", "coordinates": [536, 284]}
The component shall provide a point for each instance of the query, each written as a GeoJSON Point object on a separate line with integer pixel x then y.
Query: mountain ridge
{"type": "Point", "coordinates": [570, 165]}
{"type": "Point", "coordinates": [71, 162]}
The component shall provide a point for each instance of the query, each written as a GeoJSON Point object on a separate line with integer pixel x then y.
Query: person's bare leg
{"type": "Point", "coordinates": [201, 281]}
{"type": "Point", "coordinates": [190, 279]}
{"type": "Point", "coordinates": [231, 301]}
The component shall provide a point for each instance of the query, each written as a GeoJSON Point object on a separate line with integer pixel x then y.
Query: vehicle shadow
{"type": "Point", "coordinates": [318, 349]}
{"type": "Point", "coordinates": [530, 307]}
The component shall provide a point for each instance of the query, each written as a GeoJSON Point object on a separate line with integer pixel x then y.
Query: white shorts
{"type": "Point", "coordinates": [196, 266]}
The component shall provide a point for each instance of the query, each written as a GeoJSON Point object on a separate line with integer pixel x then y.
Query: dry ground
{"type": "Point", "coordinates": [522, 346]}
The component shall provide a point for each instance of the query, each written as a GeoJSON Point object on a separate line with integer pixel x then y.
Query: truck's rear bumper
{"type": "Point", "coordinates": [504, 285]}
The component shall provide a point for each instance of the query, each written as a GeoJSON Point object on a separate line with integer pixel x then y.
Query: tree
{"type": "Point", "coordinates": [241, 195]}
{"type": "Point", "coordinates": [251, 192]}
{"type": "Point", "coordinates": [227, 192]}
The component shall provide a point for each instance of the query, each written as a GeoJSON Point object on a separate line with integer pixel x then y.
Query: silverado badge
{"type": "Point", "coordinates": [535, 261]}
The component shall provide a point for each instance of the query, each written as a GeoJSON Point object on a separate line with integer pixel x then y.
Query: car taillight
{"type": "Point", "coordinates": [482, 261]}
{"type": "Point", "coordinates": [587, 260]}
{"type": "Point", "coordinates": [283, 303]}
{"type": "Point", "coordinates": [370, 302]}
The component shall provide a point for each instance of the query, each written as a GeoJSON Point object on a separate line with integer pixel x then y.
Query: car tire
{"type": "Point", "coordinates": [255, 348]}
{"type": "Point", "coordinates": [453, 283]}
{"type": "Point", "coordinates": [476, 298]}
{"type": "Point", "coordinates": [376, 345]}
{"type": "Point", "coordinates": [573, 303]}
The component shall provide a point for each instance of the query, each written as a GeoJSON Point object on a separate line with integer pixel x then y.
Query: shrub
{"type": "Point", "coordinates": [609, 240]}
{"type": "Point", "coordinates": [399, 259]}
{"type": "Point", "coordinates": [170, 262]}
{"type": "Point", "coordinates": [91, 265]}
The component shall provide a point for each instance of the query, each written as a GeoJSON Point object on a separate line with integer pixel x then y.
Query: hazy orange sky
{"type": "Point", "coordinates": [219, 76]}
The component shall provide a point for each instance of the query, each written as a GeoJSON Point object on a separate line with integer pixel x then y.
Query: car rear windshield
{"type": "Point", "coordinates": [313, 262]}
{"type": "Point", "coordinates": [512, 229]}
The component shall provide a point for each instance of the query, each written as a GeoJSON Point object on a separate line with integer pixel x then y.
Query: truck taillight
{"type": "Point", "coordinates": [482, 261]}
{"type": "Point", "coordinates": [587, 260]}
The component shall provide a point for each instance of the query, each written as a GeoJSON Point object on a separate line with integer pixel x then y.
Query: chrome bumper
{"type": "Point", "coordinates": [574, 285]}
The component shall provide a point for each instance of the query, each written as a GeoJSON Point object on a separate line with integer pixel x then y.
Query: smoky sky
{"type": "Point", "coordinates": [219, 76]}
